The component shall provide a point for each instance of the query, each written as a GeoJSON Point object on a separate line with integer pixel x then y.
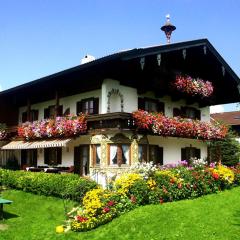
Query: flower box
{"type": "Point", "coordinates": [178, 127]}
{"type": "Point", "coordinates": [193, 86]}
{"type": "Point", "coordinates": [52, 128]}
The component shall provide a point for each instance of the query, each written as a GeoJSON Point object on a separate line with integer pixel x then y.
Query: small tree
{"type": "Point", "coordinates": [226, 150]}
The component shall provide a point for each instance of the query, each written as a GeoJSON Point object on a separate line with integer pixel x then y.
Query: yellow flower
{"type": "Point", "coordinates": [151, 184]}
{"type": "Point", "coordinates": [125, 181]}
{"type": "Point", "coordinates": [225, 174]}
{"type": "Point", "coordinates": [60, 229]}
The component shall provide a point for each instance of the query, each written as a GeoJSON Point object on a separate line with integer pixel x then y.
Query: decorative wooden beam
{"type": "Point", "coordinates": [56, 103]}
{"type": "Point", "coordinates": [28, 109]}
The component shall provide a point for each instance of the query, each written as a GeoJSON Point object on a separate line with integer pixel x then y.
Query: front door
{"type": "Point", "coordinates": [81, 160]}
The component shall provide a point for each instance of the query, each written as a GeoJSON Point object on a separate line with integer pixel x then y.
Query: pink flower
{"type": "Point", "coordinates": [106, 209]}
{"type": "Point", "coordinates": [111, 203]}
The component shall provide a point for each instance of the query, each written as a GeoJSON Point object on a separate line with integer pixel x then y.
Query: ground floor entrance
{"type": "Point", "coordinates": [81, 160]}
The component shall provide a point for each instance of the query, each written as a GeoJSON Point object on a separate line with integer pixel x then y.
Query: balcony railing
{"type": "Point", "coordinates": [118, 120]}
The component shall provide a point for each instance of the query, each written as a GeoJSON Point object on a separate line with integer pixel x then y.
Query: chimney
{"type": "Point", "coordinates": [87, 58]}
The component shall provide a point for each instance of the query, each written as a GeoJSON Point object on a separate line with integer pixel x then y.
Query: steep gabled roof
{"type": "Point", "coordinates": [89, 76]}
{"type": "Point", "coordinates": [229, 118]}
{"type": "Point", "coordinates": [131, 54]}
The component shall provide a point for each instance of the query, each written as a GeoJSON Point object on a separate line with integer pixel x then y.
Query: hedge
{"type": "Point", "coordinates": [69, 186]}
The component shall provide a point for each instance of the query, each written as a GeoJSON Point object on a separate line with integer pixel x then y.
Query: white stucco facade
{"type": "Point", "coordinates": [172, 147]}
{"type": "Point", "coordinates": [110, 96]}
{"type": "Point", "coordinates": [114, 97]}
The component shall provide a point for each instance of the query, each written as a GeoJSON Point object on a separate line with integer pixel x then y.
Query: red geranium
{"type": "Point", "coordinates": [81, 218]}
{"type": "Point", "coordinates": [106, 209]}
{"type": "Point", "coordinates": [215, 175]}
{"type": "Point", "coordinates": [111, 203]}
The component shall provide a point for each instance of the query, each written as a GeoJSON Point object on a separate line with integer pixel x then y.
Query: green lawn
{"type": "Point", "coordinates": [211, 217]}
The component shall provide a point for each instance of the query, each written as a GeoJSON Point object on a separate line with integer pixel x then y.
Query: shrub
{"type": "Point", "coordinates": [148, 185]}
{"type": "Point", "coordinates": [12, 164]}
{"type": "Point", "coordinates": [58, 185]}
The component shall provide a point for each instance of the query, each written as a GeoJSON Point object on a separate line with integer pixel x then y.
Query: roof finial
{"type": "Point", "coordinates": [168, 28]}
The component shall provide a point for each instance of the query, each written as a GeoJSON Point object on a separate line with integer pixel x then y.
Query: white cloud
{"type": "Point", "coordinates": [217, 109]}
{"type": "Point", "coordinates": [1, 88]}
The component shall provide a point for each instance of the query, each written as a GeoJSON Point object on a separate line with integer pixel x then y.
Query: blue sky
{"type": "Point", "coordinates": [41, 37]}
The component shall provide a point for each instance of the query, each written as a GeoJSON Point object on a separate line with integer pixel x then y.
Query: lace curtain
{"type": "Point", "coordinates": [125, 149]}
{"type": "Point", "coordinates": [99, 152]}
{"type": "Point", "coordinates": [113, 154]}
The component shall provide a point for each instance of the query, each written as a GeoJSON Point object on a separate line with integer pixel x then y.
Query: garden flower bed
{"type": "Point", "coordinates": [178, 127]}
{"type": "Point", "coordinates": [193, 86]}
{"type": "Point", "coordinates": [49, 128]}
{"type": "Point", "coordinates": [146, 184]}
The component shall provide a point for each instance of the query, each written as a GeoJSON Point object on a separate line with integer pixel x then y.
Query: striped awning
{"type": "Point", "coordinates": [36, 144]}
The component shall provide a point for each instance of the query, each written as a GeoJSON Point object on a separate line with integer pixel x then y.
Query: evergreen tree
{"type": "Point", "coordinates": [226, 150]}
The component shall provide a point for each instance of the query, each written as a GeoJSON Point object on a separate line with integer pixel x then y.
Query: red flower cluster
{"type": "Point", "coordinates": [111, 203]}
{"type": "Point", "coordinates": [178, 127]}
{"type": "Point", "coordinates": [106, 209]}
{"type": "Point", "coordinates": [81, 218]}
{"type": "Point", "coordinates": [48, 128]}
{"type": "Point", "coordinates": [193, 87]}
{"type": "Point", "coordinates": [215, 176]}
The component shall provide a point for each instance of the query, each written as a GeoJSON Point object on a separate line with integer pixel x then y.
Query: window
{"type": "Point", "coordinates": [96, 153]}
{"type": "Point", "coordinates": [150, 105]}
{"type": "Point", "coordinates": [53, 156]}
{"type": "Point", "coordinates": [29, 157]}
{"type": "Point", "coordinates": [119, 154]}
{"type": "Point", "coordinates": [190, 152]}
{"type": "Point", "coordinates": [51, 112]}
{"type": "Point", "coordinates": [88, 106]}
{"type": "Point", "coordinates": [33, 116]}
{"type": "Point", "coordinates": [150, 153]}
{"type": "Point", "coordinates": [156, 154]}
{"type": "Point", "coordinates": [142, 153]}
{"type": "Point", "coordinates": [187, 112]}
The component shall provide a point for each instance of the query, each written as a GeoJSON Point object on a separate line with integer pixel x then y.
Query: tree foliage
{"type": "Point", "coordinates": [226, 150]}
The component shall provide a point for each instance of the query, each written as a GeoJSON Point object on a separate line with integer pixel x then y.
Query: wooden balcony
{"type": "Point", "coordinates": [111, 121]}
{"type": "Point", "coordinates": [98, 122]}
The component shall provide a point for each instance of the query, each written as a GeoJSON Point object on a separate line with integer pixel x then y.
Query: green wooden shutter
{"type": "Point", "coordinates": [46, 156]}
{"type": "Point", "coordinates": [95, 105]}
{"type": "Point", "coordinates": [198, 114]}
{"type": "Point", "coordinates": [79, 107]}
{"type": "Point", "coordinates": [46, 113]}
{"type": "Point", "coordinates": [197, 153]}
{"type": "Point", "coordinates": [176, 112]}
{"type": "Point", "coordinates": [141, 104]}
{"type": "Point", "coordinates": [183, 154]}
{"type": "Point", "coordinates": [24, 117]}
{"type": "Point", "coordinates": [59, 155]}
{"type": "Point", "coordinates": [160, 107]}
{"type": "Point", "coordinates": [60, 110]}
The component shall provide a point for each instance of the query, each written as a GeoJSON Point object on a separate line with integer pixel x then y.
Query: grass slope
{"type": "Point", "coordinates": [210, 217]}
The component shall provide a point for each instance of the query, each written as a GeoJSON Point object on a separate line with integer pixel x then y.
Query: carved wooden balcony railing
{"type": "Point", "coordinates": [118, 120]}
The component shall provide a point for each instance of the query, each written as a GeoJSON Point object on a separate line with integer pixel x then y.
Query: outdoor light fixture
{"type": "Point", "coordinates": [168, 28]}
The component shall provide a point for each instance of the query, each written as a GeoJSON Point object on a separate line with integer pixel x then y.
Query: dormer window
{"type": "Point", "coordinates": [88, 106]}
